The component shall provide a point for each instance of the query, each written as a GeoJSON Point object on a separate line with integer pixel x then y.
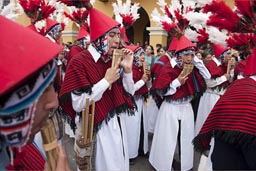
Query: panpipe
{"type": "Point", "coordinates": [145, 66]}
{"type": "Point", "coordinates": [84, 146]}
{"type": "Point", "coordinates": [187, 69]}
{"type": "Point", "coordinates": [117, 54]}
{"type": "Point", "coordinates": [50, 144]}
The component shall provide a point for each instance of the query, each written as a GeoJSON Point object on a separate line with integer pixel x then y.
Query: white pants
{"type": "Point", "coordinates": [111, 146]}
{"type": "Point", "coordinates": [165, 136]}
{"type": "Point", "coordinates": [133, 125]}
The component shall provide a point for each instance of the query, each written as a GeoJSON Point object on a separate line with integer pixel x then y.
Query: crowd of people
{"type": "Point", "coordinates": [189, 96]}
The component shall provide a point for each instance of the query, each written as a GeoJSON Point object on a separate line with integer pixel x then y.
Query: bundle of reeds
{"type": "Point", "coordinates": [84, 145]}
{"type": "Point", "coordinates": [50, 144]}
{"type": "Point", "coordinates": [117, 54]}
{"type": "Point", "coordinates": [187, 69]}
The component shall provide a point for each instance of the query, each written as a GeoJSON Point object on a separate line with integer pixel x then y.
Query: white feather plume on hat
{"type": "Point", "coordinates": [125, 13]}
{"type": "Point", "coordinates": [216, 36]}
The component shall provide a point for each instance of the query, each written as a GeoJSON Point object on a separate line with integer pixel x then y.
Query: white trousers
{"type": "Point", "coordinates": [165, 136]}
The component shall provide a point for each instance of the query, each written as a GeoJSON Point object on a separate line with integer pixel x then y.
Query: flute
{"type": "Point", "coordinates": [187, 69]}
{"type": "Point", "coordinates": [50, 144]}
{"type": "Point", "coordinates": [118, 53]}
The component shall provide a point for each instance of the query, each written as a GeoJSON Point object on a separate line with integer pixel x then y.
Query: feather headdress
{"type": "Point", "coordinates": [240, 23]}
{"type": "Point", "coordinates": [125, 13]}
{"type": "Point", "coordinates": [37, 10]}
{"type": "Point", "coordinates": [76, 3]}
{"type": "Point", "coordinates": [174, 18]}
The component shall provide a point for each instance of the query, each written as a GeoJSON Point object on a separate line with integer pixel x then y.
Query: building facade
{"type": "Point", "coordinates": [143, 30]}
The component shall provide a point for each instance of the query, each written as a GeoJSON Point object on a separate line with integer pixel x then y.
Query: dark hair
{"type": "Point", "coordinates": [152, 53]}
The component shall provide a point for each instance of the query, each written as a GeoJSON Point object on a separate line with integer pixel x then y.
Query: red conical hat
{"type": "Point", "coordinates": [133, 48]}
{"type": "Point", "coordinates": [100, 24]}
{"type": "Point", "coordinates": [173, 44]}
{"type": "Point", "coordinates": [24, 56]}
{"type": "Point", "coordinates": [184, 43]}
{"type": "Point", "coordinates": [250, 67]}
{"type": "Point", "coordinates": [82, 33]}
{"type": "Point", "coordinates": [218, 50]}
{"type": "Point", "coordinates": [123, 32]}
{"type": "Point", "coordinates": [50, 24]}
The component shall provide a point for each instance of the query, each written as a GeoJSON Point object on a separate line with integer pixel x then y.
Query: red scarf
{"type": "Point", "coordinates": [159, 64]}
{"type": "Point", "coordinates": [82, 73]}
{"type": "Point", "coordinates": [137, 73]}
{"type": "Point", "coordinates": [194, 84]}
{"type": "Point", "coordinates": [233, 117]}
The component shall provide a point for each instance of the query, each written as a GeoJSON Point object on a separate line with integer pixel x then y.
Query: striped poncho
{"type": "Point", "coordinates": [82, 73]}
{"type": "Point", "coordinates": [233, 118]}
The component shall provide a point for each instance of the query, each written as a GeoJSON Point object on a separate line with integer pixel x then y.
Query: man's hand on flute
{"type": "Point", "coordinates": [127, 60]}
{"type": "Point", "coordinates": [112, 74]}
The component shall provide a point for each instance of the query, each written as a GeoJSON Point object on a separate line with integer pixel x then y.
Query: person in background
{"type": "Point", "coordinates": [207, 56]}
{"type": "Point", "coordinates": [217, 85]}
{"type": "Point", "coordinates": [160, 52]}
{"type": "Point", "coordinates": [137, 125]}
{"type": "Point", "coordinates": [149, 56]}
{"type": "Point", "coordinates": [83, 41]}
{"type": "Point", "coordinates": [27, 96]}
{"type": "Point", "coordinates": [199, 54]}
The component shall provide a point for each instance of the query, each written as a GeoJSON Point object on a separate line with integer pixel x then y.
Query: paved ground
{"type": "Point", "coordinates": [140, 163]}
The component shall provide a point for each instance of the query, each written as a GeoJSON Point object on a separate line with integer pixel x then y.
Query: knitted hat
{"type": "Point", "coordinates": [18, 59]}
{"type": "Point", "coordinates": [250, 68]}
{"type": "Point", "coordinates": [82, 34]}
{"type": "Point", "coordinates": [218, 50]}
{"type": "Point", "coordinates": [184, 44]}
{"type": "Point", "coordinates": [173, 44]}
{"type": "Point", "coordinates": [100, 24]}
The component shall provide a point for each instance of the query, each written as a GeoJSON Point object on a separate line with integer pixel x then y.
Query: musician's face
{"type": "Point", "coordinates": [113, 40]}
{"type": "Point", "coordinates": [48, 101]}
{"type": "Point", "coordinates": [141, 58]}
{"type": "Point", "coordinates": [187, 59]}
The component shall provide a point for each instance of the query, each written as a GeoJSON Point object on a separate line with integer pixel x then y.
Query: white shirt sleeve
{"type": "Point", "coordinates": [201, 67]}
{"type": "Point", "coordinates": [78, 101]}
{"type": "Point", "coordinates": [138, 85]}
{"type": "Point", "coordinates": [173, 87]}
{"type": "Point", "coordinates": [128, 83]}
{"type": "Point", "coordinates": [217, 81]}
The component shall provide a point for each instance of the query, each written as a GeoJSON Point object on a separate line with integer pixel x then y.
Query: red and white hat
{"type": "Point", "coordinates": [100, 24]}
{"type": "Point", "coordinates": [218, 50]}
{"type": "Point", "coordinates": [184, 44]}
{"type": "Point", "coordinates": [250, 67]}
{"type": "Point", "coordinates": [22, 57]}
